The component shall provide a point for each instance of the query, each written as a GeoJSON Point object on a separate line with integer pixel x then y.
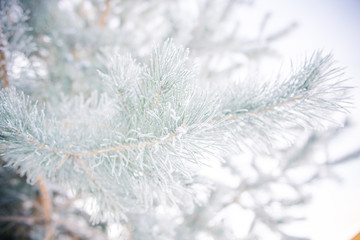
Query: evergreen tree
{"type": "Point", "coordinates": [102, 102]}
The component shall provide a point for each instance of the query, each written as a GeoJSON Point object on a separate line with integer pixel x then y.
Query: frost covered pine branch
{"type": "Point", "coordinates": [143, 138]}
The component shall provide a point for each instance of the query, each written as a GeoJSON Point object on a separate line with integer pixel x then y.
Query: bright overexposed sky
{"type": "Point", "coordinates": [332, 26]}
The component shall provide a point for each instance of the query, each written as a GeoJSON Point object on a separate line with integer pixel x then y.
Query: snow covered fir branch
{"type": "Point", "coordinates": [157, 125]}
{"type": "Point", "coordinates": [129, 131]}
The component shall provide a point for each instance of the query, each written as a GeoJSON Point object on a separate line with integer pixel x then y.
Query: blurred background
{"type": "Point", "coordinates": [333, 26]}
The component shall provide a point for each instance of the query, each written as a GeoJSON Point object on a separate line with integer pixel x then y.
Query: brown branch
{"type": "Point", "coordinates": [89, 173]}
{"type": "Point", "coordinates": [233, 117]}
{"type": "Point", "coordinates": [46, 203]}
{"type": "Point", "coordinates": [98, 151]}
{"type": "Point", "coordinates": [62, 162]}
{"type": "Point", "coordinates": [4, 76]}
{"type": "Point", "coordinates": [105, 13]}
{"type": "Point", "coordinates": [276, 105]}
{"type": "Point", "coordinates": [77, 156]}
{"type": "Point", "coordinates": [43, 146]}
{"type": "Point", "coordinates": [45, 199]}
{"type": "Point", "coordinates": [357, 237]}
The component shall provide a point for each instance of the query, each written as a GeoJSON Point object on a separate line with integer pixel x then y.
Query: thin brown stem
{"type": "Point", "coordinates": [158, 96]}
{"type": "Point", "coordinates": [357, 237]}
{"type": "Point", "coordinates": [98, 151]}
{"type": "Point", "coordinates": [45, 199]}
{"type": "Point", "coordinates": [105, 13]}
{"type": "Point", "coordinates": [46, 203]}
{"type": "Point", "coordinates": [276, 105]}
{"type": "Point", "coordinates": [4, 76]}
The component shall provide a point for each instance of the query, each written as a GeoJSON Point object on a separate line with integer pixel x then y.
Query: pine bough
{"type": "Point", "coordinates": [142, 140]}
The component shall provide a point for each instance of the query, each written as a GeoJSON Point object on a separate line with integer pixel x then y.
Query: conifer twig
{"type": "Point", "coordinates": [105, 13]}
{"type": "Point", "coordinates": [45, 199]}
{"type": "Point", "coordinates": [4, 77]}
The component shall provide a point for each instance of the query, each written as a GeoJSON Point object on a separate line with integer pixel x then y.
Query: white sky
{"type": "Point", "coordinates": [333, 26]}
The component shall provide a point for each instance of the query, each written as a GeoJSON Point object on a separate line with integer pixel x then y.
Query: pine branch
{"type": "Point", "coordinates": [138, 144]}
{"type": "Point", "coordinates": [307, 99]}
{"type": "Point", "coordinates": [154, 138]}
